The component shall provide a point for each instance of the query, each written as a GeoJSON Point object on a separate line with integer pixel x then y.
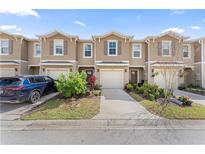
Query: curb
{"type": "Point", "coordinates": [102, 124]}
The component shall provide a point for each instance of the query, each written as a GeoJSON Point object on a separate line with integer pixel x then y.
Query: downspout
{"type": "Point", "coordinates": [148, 61]}
{"type": "Point", "coordinates": [202, 61]}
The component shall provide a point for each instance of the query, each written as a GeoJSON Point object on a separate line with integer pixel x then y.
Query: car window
{"type": "Point", "coordinates": [36, 79]}
{"type": "Point", "coordinates": [10, 81]}
{"type": "Point", "coordinates": [47, 79]}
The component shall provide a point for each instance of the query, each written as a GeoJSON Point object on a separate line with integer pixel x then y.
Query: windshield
{"type": "Point", "coordinates": [9, 82]}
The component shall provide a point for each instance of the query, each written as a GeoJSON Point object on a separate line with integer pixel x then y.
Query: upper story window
{"type": "Point", "coordinates": [87, 50]}
{"type": "Point", "coordinates": [4, 47]}
{"type": "Point", "coordinates": [37, 50]}
{"type": "Point", "coordinates": [58, 47]}
{"type": "Point", "coordinates": [137, 51]}
{"type": "Point", "coordinates": [166, 48]}
{"type": "Point", "coordinates": [112, 48]}
{"type": "Point", "coordinates": [186, 51]}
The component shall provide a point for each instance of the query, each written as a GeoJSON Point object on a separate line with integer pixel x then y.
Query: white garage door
{"type": "Point", "coordinates": [55, 73]}
{"type": "Point", "coordinates": [111, 78]}
{"type": "Point", "coordinates": [170, 79]}
{"type": "Point", "coordinates": [7, 72]}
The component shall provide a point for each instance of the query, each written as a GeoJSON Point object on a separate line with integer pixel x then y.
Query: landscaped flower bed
{"type": "Point", "coordinates": [193, 89]}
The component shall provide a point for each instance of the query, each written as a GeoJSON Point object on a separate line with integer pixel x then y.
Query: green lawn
{"type": "Point", "coordinates": [66, 109]}
{"type": "Point", "coordinates": [171, 111]}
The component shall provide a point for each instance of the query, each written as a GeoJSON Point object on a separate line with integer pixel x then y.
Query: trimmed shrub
{"type": "Point", "coordinates": [98, 87]}
{"type": "Point", "coordinates": [91, 82]}
{"type": "Point", "coordinates": [129, 87]}
{"type": "Point", "coordinates": [97, 92]}
{"type": "Point", "coordinates": [72, 84]}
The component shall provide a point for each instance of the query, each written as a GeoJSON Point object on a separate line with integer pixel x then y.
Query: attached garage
{"type": "Point", "coordinates": [112, 78]}
{"type": "Point", "coordinates": [166, 78]}
{"type": "Point", "coordinates": [7, 72]}
{"type": "Point", "coordinates": [54, 73]}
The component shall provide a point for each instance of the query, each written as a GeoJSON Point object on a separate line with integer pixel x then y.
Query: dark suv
{"type": "Point", "coordinates": [25, 88]}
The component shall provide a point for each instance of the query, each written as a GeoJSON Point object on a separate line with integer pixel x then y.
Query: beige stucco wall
{"type": "Point", "coordinates": [80, 54]}
{"type": "Point", "coordinates": [197, 51]}
{"type": "Point", "coordinates": [71, 53]}
{"type": "Point", "coordinates": [125, 48]}
{"type": "Point", "coordinates": [137, 61]}
{"type": "Point", "coordinates": [31, 54]}
{"type": "Point", "coordinates": [23, 68]}
{"type": "Point", "coordinates": [154, 49]}
{"type": "Point", "coordinates": [24, 50]}
{"type": "Point", "coordinates": [16, 48]}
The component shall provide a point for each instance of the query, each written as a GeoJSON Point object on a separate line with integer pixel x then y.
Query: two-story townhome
{"type": "Point", "coordinates": [114, 58]}
{"type": "Point", "coordinates": [170, 56]}
{"type": "Point", "coordinates": [13, 54]}
{"type": "Point", "coordinates": [119, 59]}
{"type": "Point", "coordinates": [58, 53]}
{"type": "Point", "coordinates": [199, 62]}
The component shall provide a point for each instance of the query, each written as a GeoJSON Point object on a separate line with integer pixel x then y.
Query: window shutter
{"type": "Point", "coordinates": [159, 46]}
{"type": "Point", "coordinates": [105, 47]}
{"type": "Point", "coordinates": [51, 47]}
{"type": "Point", "coordinates": [10, 47]}
{"type": "Point", "coordinates": [119, 47]}
{"type": "Point", "coordinates": [65, 43]}
{"type": "Point", "coordinates": [173, 48]}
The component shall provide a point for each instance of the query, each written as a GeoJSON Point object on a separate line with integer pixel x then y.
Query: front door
{"type": "Point", "coordinates": [134, 76]}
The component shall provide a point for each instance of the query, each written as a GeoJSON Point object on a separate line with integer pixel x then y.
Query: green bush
{"type": "Point", "coordinates": [98, 87]}
{"type": "Point", "coordinates": [129, 87]}
{"type": "Point", "coordinates": [72, 84]}
{"type": "Point", "coordinates": [97, 92]}
{"type": "Point", "coordinates": [185, 100]}
{"type": "Point", "coordinates": [151, 91]}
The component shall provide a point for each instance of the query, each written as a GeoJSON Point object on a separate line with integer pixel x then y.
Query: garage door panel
{"type": "Point", "coordinates": [7, 72]}
{"type": "Point", "coordinates": [55, 73]}
{"type": "Point", "coordinates": [111, 78]}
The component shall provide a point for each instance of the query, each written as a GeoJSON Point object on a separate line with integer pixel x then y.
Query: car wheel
{"type": "Point", "coordinates": [35, 96]}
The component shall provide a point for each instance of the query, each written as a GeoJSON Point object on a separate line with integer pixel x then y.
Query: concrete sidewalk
{"type": "Point", "coordinates": [194, 97]}
{"type": "Point", "coordinates": [18, 112]}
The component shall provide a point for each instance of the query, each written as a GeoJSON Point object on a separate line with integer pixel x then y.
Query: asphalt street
{"type": "Point", "coordinates": [104, 136]}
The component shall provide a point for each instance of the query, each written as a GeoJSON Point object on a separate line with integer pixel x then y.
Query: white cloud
{"type": "Point", "coordinates": [20, 12]}
{"type": "Point", "coordinates": [80, 23]}
{"type": "Point", "coordinates": [17, 33]}
{"type": "Point", "coordinates": [18, 29]}
{"type": "Point", "coordinates": [195, 27]}
{"type": "Point", "coordinates": [10, 27]}
{"type": "Point", "coordinates": [177, 12]}
{"type": "Point", "coordinates": [174, 29]}
{"type": "Point", "coordinates": [7, 27]}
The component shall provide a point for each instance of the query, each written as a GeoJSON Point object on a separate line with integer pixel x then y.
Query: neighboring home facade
{"type": "Point", "coordinates": [115, 59]}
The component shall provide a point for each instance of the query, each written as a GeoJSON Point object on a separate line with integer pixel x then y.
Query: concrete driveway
{"type": "Point", "coordinates": [117, 104]}
{"type": "Point", "coordinates": [194, 97]}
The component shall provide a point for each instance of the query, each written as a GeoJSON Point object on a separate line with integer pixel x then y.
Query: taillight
{"type": "Point", "coordinates": [16, 88]}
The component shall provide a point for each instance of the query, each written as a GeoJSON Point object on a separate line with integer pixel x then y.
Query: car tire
{"type": "Point", "coordinates": [35, 96]}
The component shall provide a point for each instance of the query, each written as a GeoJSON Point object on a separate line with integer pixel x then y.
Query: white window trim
{"type": "Point", "coordinates": [140, 51]}
{"type": "Point", "coordinates": [35, 50]}
{"type": "Point", "coordinates": [56, 54]}
{"type": "Point", "coordinates": [0, 47]}
{"type": "Point", "coordinates": [170, 48]}
{"type": "Point", "coordinates": [189, 51]}
{"type": "Point", "coordinates": [108, 49]}
{"type": "Point", "coordinates": [91, 55]}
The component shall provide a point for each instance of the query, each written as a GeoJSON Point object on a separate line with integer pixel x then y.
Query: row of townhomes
{"type": "Point", "coordinates": [115, 59]}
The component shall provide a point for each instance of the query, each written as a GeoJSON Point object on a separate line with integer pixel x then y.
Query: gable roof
{"type": "Point", "coordinates": [54, 32]}
{"type": "Point", "coordinates": [170, 33]}
{"type": "Point", "coordinates": [113, 33]}
{"type": "Point", "coordinates": [18, 36]}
